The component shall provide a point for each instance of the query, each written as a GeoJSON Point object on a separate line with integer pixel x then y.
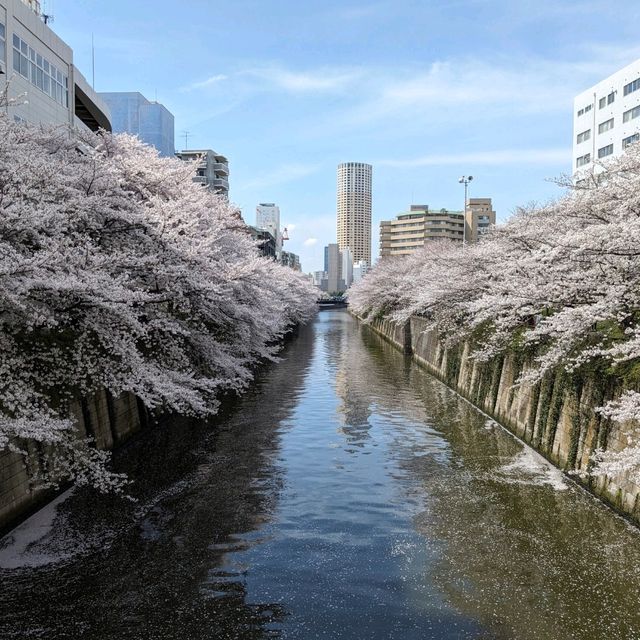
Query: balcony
{"type": "Point", "coordinates": [220, 183]}
{"type": "Point", "coordinates": [220, 167]}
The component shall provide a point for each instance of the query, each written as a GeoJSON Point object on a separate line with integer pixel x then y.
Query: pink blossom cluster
{"type": "Point", "coordinates": [118, 272]}
{"type": "Point", "coordinates": [561, 280]}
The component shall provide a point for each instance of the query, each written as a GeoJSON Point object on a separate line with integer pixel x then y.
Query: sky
{"type": "Point", "coordinates": [424, 90]}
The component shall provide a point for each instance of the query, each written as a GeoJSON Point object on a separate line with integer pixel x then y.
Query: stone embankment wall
{"type": "Point", "coordinates": [555, 416]}
{"type": "Point", "coordinates": [110, 421]}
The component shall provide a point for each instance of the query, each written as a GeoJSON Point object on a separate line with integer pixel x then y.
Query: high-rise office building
{"type": "Point", "coordinates": [38, 70]}
{"type": "Point", "coordinates": [606, 118]}
{"type": "Point", "coordinates": [354, 209]}
{"type": "Point", "coordinates": [152, 122]}
{"type": "Point", "coordinates": [339, 273]}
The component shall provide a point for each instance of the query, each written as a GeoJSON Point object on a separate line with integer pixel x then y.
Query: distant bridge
{"type": "Point", "coordinates": [331, 303]}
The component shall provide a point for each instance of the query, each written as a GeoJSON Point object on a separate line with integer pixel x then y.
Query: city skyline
{"type": "Point", "coordinates": [429, 103]}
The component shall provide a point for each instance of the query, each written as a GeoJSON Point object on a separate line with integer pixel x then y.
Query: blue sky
{"type": "Point", "coordinates": [424, 90]}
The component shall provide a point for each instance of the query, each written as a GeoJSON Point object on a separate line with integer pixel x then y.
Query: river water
{"type": "Point", "coordinates": [348, 494]}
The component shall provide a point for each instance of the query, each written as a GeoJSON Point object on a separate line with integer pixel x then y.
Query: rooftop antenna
{"type": "Point", "coordinates": [186, 139]}
{"type": "Point", "coordinates": [46, 16]}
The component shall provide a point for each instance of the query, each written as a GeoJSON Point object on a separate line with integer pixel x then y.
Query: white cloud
{"type": "Point", "coordinates": [290, 227]}
{"type": "Point", "coordinates": [316, 81]}
{"type": "Point", "coordinates": [281, 175]}
{"type": "Point", "coordinates": [205, 83]}
{"type": "Point", "coordinates": [498, 157]}
{"type": "Point", "coordinates": [309, 242]}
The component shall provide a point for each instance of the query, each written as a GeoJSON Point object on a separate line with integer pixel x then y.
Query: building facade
{"type": "Point", "coordinates": [413, 229]}
{"type": "Point", "coordinates": [212, 169]}
{"type": "Point", "coordinates": [479, 218]}
{"type": "Point", "coordinates": [264, 240]}
{"type": "Point", "coordinates": [360, 270]}
{"type": "Point", "coordinates": [152, 122]}
{"type": "Point", "coordinates": [317, 277]}
{"type": "Point", "coordinates": [334, 282]}
{"type": "Point", "coordinates": [606, 119]}
{"type": "Point", "coordinates": [338, 276]}
{"type": "Point", "coordinates": [291, 260]}
{"type": "Point", "coordinates": [268, 217]}
{"type": "Point", "coordinates": [346, 267]}
{"type": "Point", "coordinates": [38, 75]}
{"type": "Point", "coordinates": [354, 209]}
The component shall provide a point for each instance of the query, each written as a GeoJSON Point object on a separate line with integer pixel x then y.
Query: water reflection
{"type": "Point", "coordinates": [164, 567]}
{"type": "Point", "coordinates": [348, 495]}
{"type": "Point", "coordinates": [523, 551]}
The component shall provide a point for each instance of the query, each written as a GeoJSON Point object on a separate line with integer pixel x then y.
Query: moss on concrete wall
{"type": "Point", "coordinates": [556, 416]}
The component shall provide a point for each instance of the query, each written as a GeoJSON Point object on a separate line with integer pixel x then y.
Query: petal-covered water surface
{"type": "Point", "coordinates": [348, 494]}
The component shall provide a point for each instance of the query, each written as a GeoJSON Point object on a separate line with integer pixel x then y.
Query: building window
{"type": "Point", "coordinates": [631, 114]}
{"type": "Point", "coordinates": [582, 160]}
{"type": "Point", "coordinates": [631, 87]}
{"type": "Point", "coordinates": [605, 126]}
{"type": "Point", "coordinates": [40, 72]}
{"type": "Point", "coordinates": [605, 151]}
{"type": "Point", "coordinates": [630, 140]}
{"type": "Point", "coordinates": [582, 137]}
{"type": "Point", "coordinates": [603, 102]}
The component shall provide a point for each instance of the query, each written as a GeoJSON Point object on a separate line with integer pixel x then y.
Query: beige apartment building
{"type": "Point", "coordinates": [414, 228]}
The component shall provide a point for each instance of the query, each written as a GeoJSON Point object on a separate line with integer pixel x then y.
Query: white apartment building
{"type": "Point", "coordinates": [37, 71]}
{"type": "Point", "coordinates": [354, 209]}
{"type": "Point", "coordinates": [606, 118]}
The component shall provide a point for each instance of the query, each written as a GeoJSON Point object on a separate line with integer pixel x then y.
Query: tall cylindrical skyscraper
{"type": "Point", "coordinates": [354, 209]}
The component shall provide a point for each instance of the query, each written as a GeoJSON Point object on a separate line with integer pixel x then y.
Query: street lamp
{"type": "Point", "coordinates": [465, 180]}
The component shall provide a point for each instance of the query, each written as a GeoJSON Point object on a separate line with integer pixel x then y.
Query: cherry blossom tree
{"type": "Point", "coordinates": [117, 271]}
{"type": "Point", "coordinates": [562, 279]}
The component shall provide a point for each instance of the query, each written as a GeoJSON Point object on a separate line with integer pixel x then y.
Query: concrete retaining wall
{"type": "Point", "coordinates": [555, 416]}
{"type": "Point", "coordinates": [107, 419]}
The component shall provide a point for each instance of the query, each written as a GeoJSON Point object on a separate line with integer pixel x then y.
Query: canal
{"type": "Point", "coordinates": [348, 494]}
